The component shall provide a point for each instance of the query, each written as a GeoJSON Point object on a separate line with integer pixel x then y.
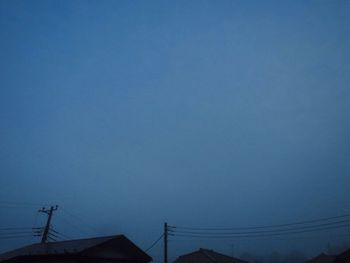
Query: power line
{"type": "Point", "coordinates": [306, 226]}
{"type": "Point", "coordinates": [53, 235]}
{"type": "Point", "coordinates": [277, 237]}
{"type": "Point", "coordinates": [52, 239]}
{"type": "Point", "coordinates": [154, 243]}
{"type": "Point", "coordinates": [15, 233]}
{"type": "Point", "coordinates": [261, 234]}
{"type": "Point", "coordinates": [265, 226]}
{"type": "Point", "coordinates": [60, 234]}
{"type": "Point", "coordinates": [14, 228]}
{"type": "Point", "coordinates": [35, 228]}
{"type": "Point", "coordinates": [12, 237]}
{"type": "Point", "coordinates": [260, 231]}
{"type": "Point", "coordinates": [74, 226]}
{"type": "Point", "coordinates": [81, 220]}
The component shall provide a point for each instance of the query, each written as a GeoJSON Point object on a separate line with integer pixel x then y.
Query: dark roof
{"type": "Point", "coordinates": [343, 257]}
{"type": "Point", "coordinates": [322, 258]}
{"type": "Point", "coordinates": [70, 247]}
{"type": "Point", "coordinates": [207, 256]}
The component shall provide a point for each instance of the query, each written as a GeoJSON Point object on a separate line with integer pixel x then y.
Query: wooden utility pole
{"type": "Point", "coordinates": [49, 212]}
{"type": "Point", "coordinates": [165, 242]}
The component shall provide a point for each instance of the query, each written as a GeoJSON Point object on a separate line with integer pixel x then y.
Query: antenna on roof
{"type": "Point", "coordinates": [49, 212]}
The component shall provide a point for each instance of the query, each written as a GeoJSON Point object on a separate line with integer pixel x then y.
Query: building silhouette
{"type": "Point", "coordinates": [112, 249]}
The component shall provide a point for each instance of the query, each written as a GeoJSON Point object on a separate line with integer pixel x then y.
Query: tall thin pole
{"type": "Point", "coordinates": [49, 212]}
{"type": "Point", "coordinates": [165, 242]}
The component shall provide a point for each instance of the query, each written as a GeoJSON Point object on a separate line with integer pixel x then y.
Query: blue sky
{"type": "Point", "coordinates": [196, 112]}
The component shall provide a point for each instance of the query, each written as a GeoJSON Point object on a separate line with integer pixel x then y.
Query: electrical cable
{"type": "Point", "coordinates": [154, 243]}
{"type": "Point", "coordinates": [260, 235]}
{"type": "Point", "coordinates": [266, 226]}
{"type": "Point", "coordinates": [51, 238]}
{"type": "Point", "coordinates": [81, 220]}
{"type": "Point", "coordinates": [60, 234]}
{"type": "Point", "coordinates": [15, 228]}
{"type": "Point", "coordinates": [74, 226]}
{"type": "Point", "coordinates": [11, 237]}
{"type": "Point", "coordinates": [260, 231]}
{"type": "Point", "coordinates": [15, 233]}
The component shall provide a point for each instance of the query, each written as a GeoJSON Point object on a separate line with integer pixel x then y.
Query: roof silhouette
{"type": "Point", "coordinates": [207, 256]}
{"type": "Point", "coordinates": [343, 257]}
{"type": "Point", "coordinates": [322, 258]}
{"type": "Point", "coordinates": [72, 247]}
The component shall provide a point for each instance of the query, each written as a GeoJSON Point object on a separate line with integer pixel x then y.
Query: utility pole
{"type": "Point", "coordinates": [49, 212]}
{"type": "Point", "coordinates": [165, 242]}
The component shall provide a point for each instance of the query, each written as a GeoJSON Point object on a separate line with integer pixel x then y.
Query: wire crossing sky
{"type": "Point", "coordinates": [129, 114]}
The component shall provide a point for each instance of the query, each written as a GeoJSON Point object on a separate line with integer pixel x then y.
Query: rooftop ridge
{"type": "Point", "coordinates": [59, 247]}
{"type": "Point", "coordinates": [81, 239]}
{"type": "Point", "coordinates": [205, 252]}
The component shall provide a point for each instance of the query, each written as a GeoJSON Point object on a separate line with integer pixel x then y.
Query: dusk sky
{"type": "Point", "coordinates": [128, 114]}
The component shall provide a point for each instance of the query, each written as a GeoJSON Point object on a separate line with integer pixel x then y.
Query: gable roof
{"type": "Point", "coordinates": [71, 247]}
{"type": "Point", "coordinates": [343, 257]}
{"type": "Point", "coordinates": [207, 256]}
{"type": "Point", "coordinates": [322, 258]}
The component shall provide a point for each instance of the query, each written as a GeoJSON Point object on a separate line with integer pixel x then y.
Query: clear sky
{"type": "Point", "coordinates": [199, 113]}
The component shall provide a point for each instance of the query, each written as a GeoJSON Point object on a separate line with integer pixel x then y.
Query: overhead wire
{"type": "Point", "coordinates": [74, 226]}
{"type": "Point", "coordinates": [342, 222]}
{"type": "Point", "coordinates": [81, 220]}
{"type": "Point", "coordinates": [18, 232]}
{"type": "Point", "coordinates": [15, 233]}
{"type": "Point", "coordinates": [52, 234]}
{"type": "Point", "coordinates": [264, 226]}
{"type": "Point", "coordinates": [14, 228]}
{"type": "Point", "coordinates": [36, 230]}
{"type": "Point", "coordinates": [60, 234]}
{"type": "Point", "coordinates": [52, 239]}
{"type": "Point", "coordinates": [306, 226]}
{"type": "Point", "coordinates": [154, 243]}
{"type": "Point", "coordinates": [12, 237]}
{"type": "Point", "coordinates": [258, 235]}
{"type": "Point", "coordinates": [10, 232]}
